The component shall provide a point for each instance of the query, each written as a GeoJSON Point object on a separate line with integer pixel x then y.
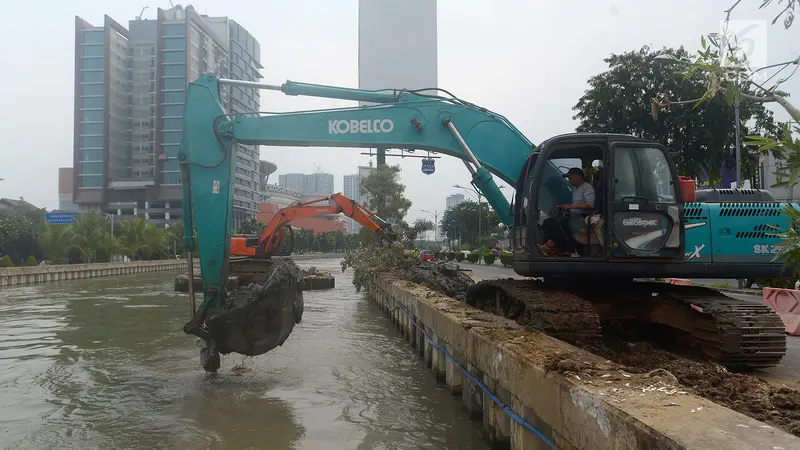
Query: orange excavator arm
{"type": "Point", "coordinates": [270, 238]}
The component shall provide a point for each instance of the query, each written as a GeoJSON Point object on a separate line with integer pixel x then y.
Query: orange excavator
{"type": "Point", "coordinates": [277, 239]}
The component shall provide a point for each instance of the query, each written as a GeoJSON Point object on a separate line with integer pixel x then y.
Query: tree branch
{"type": "Point", "coordinates": [730, 10]}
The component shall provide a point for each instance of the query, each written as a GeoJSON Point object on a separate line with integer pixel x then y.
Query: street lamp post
{"type": "Point", "coordinates": [480, 210]}
{"type": "Point", "coordinates": [435, 215]}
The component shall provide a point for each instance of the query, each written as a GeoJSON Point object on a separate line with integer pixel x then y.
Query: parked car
{"type": "Point", "coordinates": [427, 255]}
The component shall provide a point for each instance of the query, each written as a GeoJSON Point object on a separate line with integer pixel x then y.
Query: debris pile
{"type": "Point", "coordinates": [393, 262]}
{"type": "Point", "coordinates": [260, 316]}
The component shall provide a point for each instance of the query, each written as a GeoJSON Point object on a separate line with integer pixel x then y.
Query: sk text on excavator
{"type": "Point", "coordinates": [644, 224]}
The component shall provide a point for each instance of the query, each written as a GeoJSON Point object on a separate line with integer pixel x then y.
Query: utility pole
{"type": "Point", "coordinates": [435, 215]}
{"type": "Point", "coordinates": [739, 182]}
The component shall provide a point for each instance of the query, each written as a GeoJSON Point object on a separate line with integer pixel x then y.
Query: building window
{"type": "Point", "coordinates": [92, 155]}
{"type": "Point", "coordinates": [93, 89]}
{"type": "Point", "coordinates": [174, 44]}
{"type": "Point", "coordinates": [174, 30]}
{"type": "Point", "coordinates": [93, 63]}
{"type": "Point", "coordinates": [92, 168]}
{"type": "Point", "coordinates": [171, 165]}
{"type": "Point", "coordinates": [175, 57]}
{"type": "Point", "coordinates": [92, 128]}
{"type": "Point", "coordinates": [175, 83]}
{"type": "Point", "coordinates": [93, 36]}
{"type": "Point", "coordinates": [93, 77]}
{"type": "Point", "coordinates": [93, 50]}
{"type": "Point", "coordinates": [172, 178]}
{"type": "Point", "coordinates": [93, 103]}
{"type": "Point", "coordinates": [175, 97]}
{"type": "Point", "coordinates": [92, 116]}
{"type": "Point", "coordinates": [173, 124]}
{"type": "Point", "coordinates": [172, 137]}
{"type": "Point", "coordinates": [91, 142]}
{"type": "Point", "coordinates": [175, 71]}
{"type": "Point", "coordinates": [173, 111]}
{"type": "Point", "coordinates": [94, 181]}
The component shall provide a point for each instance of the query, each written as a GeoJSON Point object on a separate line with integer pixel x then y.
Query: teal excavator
{"type": "Point", "coordinates": [645, 224]}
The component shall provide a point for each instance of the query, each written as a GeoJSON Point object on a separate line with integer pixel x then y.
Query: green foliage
{"type": "Point", "coordinates": [331, 241]}
{"type": "Point", "coordinates": [138, 239]}
{"type": "Point", "coordinates": [787, 149]}
{"type": "Point", "coordinates": [384, 194]}
{"type": "Point", "coordinates": [450, 256]}
{"type": "Point", "coordinates": [460, 256]}
{"type": "Point", "coordinates": [252, 226]}
{"type": "Point", "coordinates": [506, 259]}
{"type": "Point", "coordinates": [474, 257]}
{"type": "Point", "coordinates": [614, 103]}
{"type": "Point", "coordinates": [31, 261]}
{"type": "Point", "coordinates": [464, 218]}
{"type": "Point", "coordinates": [17, 234]}
{"type": "Point", "coordinates": [5, 261]}
{"type": "Point", "coordinates": [87, 233]}
{"type": "Point", "coordinates": [779, 283]}
{"type": "Point", "coordinates": [419, 227]}
{"type": "Point", "coordinates": [489, 258]}
{"type": "Point", "coordinates": [54, 242]}
{"type": "Point", "coordinates": [375, 261]}
{"type": "Point", "coordinates": [789, 252]}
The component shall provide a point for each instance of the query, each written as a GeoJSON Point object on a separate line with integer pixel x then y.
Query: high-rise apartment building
{"type": "Point", "coordinates": [453, 200]}
{"type": "Point", "coordinates": [352, 190]}
{"type": "Point", "coordinates": [130, 90]}
{"type": "Point", "coordinates": [314, 184]}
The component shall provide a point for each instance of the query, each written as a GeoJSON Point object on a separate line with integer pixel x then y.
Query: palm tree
{"type": "Point", "coordinates": [55, 242]}
{"type": "Point", "coordinates": [138, 238]}
{"type": "Point", "coordinates": [86, 232]}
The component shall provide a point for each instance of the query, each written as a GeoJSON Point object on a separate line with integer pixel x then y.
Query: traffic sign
{"type": "Point", "coordinates": [428, 166]}
{"type": "Point", "coordinates": [60, 218]}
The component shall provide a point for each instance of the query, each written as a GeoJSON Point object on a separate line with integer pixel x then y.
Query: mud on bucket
{"type": "Point", "coordinates": [259, 317]}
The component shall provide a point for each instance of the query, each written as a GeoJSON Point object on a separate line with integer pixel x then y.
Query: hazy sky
{"type": "Point", "coordinates": [526, 59]}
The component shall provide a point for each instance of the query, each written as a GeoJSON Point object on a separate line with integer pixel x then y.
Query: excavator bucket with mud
{"type": "Point", "coordinates": [256, 318]}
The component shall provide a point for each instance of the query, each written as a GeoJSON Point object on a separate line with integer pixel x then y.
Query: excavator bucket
{"type": "Point", "coordinates": [258, 317]}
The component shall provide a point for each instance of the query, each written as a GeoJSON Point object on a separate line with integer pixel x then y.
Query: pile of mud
{"type": "Point", "coordinates": [443, 278]}
{"type": "Point", "coordinates": [746, 394]}
{"type": "Point", "coordinates": [260, 316]}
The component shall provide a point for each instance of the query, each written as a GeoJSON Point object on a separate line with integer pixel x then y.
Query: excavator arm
{"type": "Point", "coordinates": [270, 238]}
{"type": "Point", "coordinates": [486, 142]}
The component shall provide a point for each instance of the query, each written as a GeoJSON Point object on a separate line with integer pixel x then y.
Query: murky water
{"type": "Point", "coordinates": [104, 363]}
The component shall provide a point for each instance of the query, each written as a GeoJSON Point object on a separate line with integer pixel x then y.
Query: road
{"type": "Point", "coordinates": [787, 373]}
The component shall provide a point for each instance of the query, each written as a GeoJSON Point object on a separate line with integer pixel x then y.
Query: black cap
{"type": "Point", "coordinates": [574, 171]}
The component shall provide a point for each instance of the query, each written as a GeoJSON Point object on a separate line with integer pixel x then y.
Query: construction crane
{"type": "Point", "coordinates": [644, 223]}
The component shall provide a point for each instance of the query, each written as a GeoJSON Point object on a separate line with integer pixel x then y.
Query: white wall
{"type": "Point", "coordinates": [397, 44]}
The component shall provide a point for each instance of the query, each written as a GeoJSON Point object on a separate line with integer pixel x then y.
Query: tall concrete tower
{"type": "Point", "coordinates": [397, 46]}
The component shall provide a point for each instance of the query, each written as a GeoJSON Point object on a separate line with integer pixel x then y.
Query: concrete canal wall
{"type": "Point", "coordinates": [41, 274]}
{"type": "Point", "coordinates": [504, 375]}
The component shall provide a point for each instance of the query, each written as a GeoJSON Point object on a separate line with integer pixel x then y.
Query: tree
{"type": "Point", "coordinates": [420, 226]}
{"type": "Point", "coordinates": [87, 233]}
{"type": "Point", "coordinates": [138, 239]}
{"type": "Point", "coordinates": [251, 226]}
{"type": "Point", "coordinates": [17, 235]}
{"type": "Point", "coordinates": [384, 193]}
{"type": "Point", "coordinates": [464, 217]}
{"type": "Point", "coordinates": [54, 242]}
{"type": "Point", "coordinates": [617, 100]}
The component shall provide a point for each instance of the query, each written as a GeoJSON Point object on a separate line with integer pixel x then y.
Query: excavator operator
{"type": "Point", "coordinates": [556, 229]}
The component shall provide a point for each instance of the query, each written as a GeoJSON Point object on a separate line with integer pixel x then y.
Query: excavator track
{"type": "Point", "coordinates": [557, 313]}
{"type": "Point", "coordinates": [738, 334]}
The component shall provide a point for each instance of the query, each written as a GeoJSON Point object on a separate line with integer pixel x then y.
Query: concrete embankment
{"type": "Point", "coordinates": [41, 274]}
{"type": "Point", "coordinates": [520, 383]}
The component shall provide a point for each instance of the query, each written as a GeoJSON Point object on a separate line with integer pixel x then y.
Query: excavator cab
{"type": "Point", "coordinates": [637, 215]}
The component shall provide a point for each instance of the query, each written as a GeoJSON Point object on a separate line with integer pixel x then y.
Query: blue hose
{"type": "Point", "coordinates": [469, 376]}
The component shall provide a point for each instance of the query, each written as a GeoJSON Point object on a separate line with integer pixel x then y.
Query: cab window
{"type": "Point", "coordinates": [642, 174]}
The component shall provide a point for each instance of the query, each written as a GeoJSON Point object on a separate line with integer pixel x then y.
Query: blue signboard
{"type": "Point", "coordinates": [428, 166]}
{"type": "Point", "coordinates": [60, 218]}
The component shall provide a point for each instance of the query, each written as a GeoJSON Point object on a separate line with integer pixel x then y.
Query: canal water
{"type": "Point", "coordinates": [104, 363]}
